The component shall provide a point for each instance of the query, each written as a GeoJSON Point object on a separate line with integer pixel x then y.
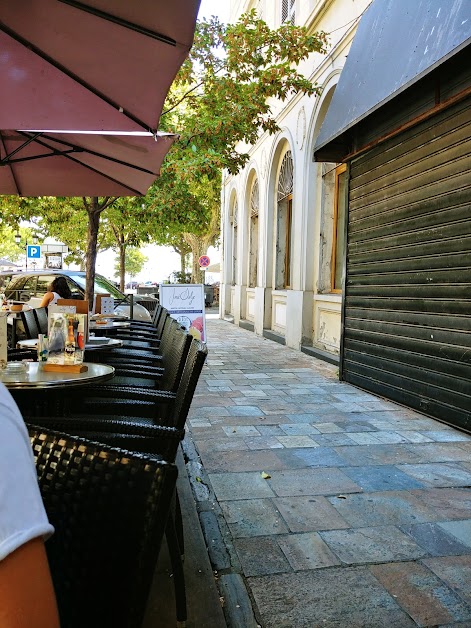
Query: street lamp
{"type": "Point", "coordinates": [25, 247]}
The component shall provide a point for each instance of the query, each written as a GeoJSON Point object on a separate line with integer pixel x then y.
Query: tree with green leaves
{"type": "Point", "coordinates": [221, 101]}
{"type": "Point", "coordinates": [134, 262]}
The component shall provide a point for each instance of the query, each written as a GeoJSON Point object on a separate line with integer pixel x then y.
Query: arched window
{"type": "Point", "coordinates": [284, 234]}
{"type": "Point", "coordinates": [288, 11]}
{"type": "Point", "coordinates": [338, 240]}
{"type": "Point", "coordinates": [253, 233]}
{"type": "Point", "coordinates": [234, 212]}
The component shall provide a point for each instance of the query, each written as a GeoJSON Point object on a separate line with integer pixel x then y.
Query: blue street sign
{"type": "Point", "coordinates": [33, 251]}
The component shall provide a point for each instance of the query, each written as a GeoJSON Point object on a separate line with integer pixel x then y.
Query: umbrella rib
{"type": "Point", "coordinates": [7, 159]}
{"type": "Point", "coordinates": [55, 153]}
{"type": "Point", "coordinates": [77, 161]}
{"type": "Point", "coordinates": [117, 20]}
{"type": "Point", "coordinates": [11, 169]}
{"type": "Point", "coordinates": [14, 35]}
{"type": "Point", "coordinates": [87, 150]}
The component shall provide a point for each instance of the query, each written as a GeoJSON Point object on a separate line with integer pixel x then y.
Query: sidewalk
{"type": "Point", "coordinates": [323, 505]}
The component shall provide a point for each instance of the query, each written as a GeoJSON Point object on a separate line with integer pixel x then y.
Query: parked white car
{"type": "Point", "coordinates": [30, 287]}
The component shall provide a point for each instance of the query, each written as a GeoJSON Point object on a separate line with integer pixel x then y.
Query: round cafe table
{"type": "Point", "coordinates": [92, 345]}
{"type": "Point", "coordinates": [111, 325]}
{"type": "Point", "coordinates": [35, 378]}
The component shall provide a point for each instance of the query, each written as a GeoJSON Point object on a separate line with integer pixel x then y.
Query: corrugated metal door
{"type": "Point", "coordinates": [407, 309]}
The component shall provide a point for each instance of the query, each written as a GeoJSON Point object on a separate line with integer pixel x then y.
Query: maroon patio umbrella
{"type": "Point", "coordinates": [79, 164]}
{"type": "Point", "coordinates": [99, 65]}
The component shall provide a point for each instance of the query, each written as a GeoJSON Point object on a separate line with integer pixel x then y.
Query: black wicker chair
{"type": "Point", "coordinates": [166, 407]}
{"type": "Point", "coordinates": [130, 371]}
{"type": "Point", "coordinates": [144, 340]}
{"type": "Point", "coordinates": [109, 508]}
{"type": "Point", "coordinates": [159, 315]}
{"type": "Point", "coordinates": [29, 323]}
{"type": "Point", "coordinates": [133, 424]}
{"type": "Point", "coordinates": [40, 314]}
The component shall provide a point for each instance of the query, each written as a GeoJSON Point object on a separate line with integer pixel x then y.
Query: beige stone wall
{"type": "Point", "coordinates": [308, 312]}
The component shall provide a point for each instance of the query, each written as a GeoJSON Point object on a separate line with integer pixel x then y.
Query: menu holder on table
{"type": "Point", "coordinates": [65, 368]}
{"type": "Point", "coordinates": [100, 300]}
{"type": "Point", "coordinates": [66, 338]}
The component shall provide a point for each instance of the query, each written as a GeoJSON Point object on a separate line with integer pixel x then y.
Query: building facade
{"type": "Point", "coordinates": [283, 214]}
{"type": "Point", "coordinates": [400, 120]}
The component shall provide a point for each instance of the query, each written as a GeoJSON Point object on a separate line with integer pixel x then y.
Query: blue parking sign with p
{"type": "Point", "coordinates": [33, 251]}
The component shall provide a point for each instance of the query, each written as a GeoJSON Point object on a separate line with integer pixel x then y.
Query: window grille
{"type": "Point", "coordinates": [234, 214]}
{"type": "Point", "coordinates": [285, 181]}
{"type": "Point", "coordinates": [288, 11]}
{"type": "Point", "coordinates": [254, 199]}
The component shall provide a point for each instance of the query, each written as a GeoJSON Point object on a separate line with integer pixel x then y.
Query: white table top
{"type": "Point", "coordinates": [111, 325]}
{"type": "Point", "coordinates": [109, 343]}
{"type": "Point", "coordinates": [34, 377]}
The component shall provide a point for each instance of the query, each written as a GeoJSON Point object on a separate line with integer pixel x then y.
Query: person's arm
{"type": "Point", "coordinates": [47, 298]}
{"type": "Point", "coordinates": [27, 598]}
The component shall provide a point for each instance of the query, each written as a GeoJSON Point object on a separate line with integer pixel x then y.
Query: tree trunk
{"type": "Point", "coordinates": [93, 225]}
{"type": "Point", "coordinates": [199, 247]}
{"type": "Point", "coordinates": [122, 264]}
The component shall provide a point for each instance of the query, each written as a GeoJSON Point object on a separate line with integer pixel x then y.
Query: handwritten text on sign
{"type": "Point", "coordinates": [185, 303]}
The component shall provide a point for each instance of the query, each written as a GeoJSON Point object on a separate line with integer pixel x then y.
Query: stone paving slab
{"type": "Point", "coordinates": [425, 597]}
{"type": "Point", "coordinates": [336, 508]}
{"type": "Point", "coordinates": [438, 538]}
{"type": "Point", "coordinates": [326, 597]}
{"type": "Point", "coordinates": [455, 571]}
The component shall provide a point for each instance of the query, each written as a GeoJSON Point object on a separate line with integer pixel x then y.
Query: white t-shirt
{"type": "Point", "coordinates": [54, 300]}
{"type": "Point", "coordinates": [22, 514]}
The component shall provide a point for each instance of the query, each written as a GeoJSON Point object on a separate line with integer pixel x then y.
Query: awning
{"type": "Point", "coordinates": [80, 164]}
{"type": "Point", "coordinates": [92, 65]}
{"type": "Point", "coordinates": [397, 43]}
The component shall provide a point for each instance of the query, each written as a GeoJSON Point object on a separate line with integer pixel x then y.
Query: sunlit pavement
{"type": "Point", "coordinates": [321, 504]}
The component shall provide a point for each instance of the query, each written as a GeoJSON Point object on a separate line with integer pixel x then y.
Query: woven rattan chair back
{"type": "Point", "coordinates": [40, 314]}
{"type": "Point", "coordinates": [164, 315]}
{"type": "Point", "coordinates": [174, 359]}
{"type": "Point", "coordinates": [29, 323]}
{"type": "Point", "coordinates": [195, 360]}
{"type": "Point", "coordinates": [109, 508]}
{"type": "Point", "coordinates": [156, 315]}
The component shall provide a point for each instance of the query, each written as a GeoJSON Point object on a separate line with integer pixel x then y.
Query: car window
{"type": "Point", "coordinates": [102, 286]}
{"type": "Point", "coordinates": [76, 291]}
{"type": "Point", "coordinates": [22, 290]}
{"type": "Point", "coordinates": [4, 281]}
{"type": "Point", "coordinates": [13, 287]}
{"type": "Point", "coordinates": [44, 281]}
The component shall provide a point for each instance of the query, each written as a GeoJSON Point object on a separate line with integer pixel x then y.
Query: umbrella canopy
{"type": "Point", "coordinates": [99, 65]}
{"type": "Point", "coordinates": [76, 164]}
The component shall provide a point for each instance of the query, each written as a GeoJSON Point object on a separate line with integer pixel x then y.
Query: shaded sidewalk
{"type": "Point", "coordinates": [321, 504]}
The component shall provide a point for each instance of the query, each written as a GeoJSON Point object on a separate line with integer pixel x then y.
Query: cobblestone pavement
{"type": "Point", "coordinates": [327, 505]}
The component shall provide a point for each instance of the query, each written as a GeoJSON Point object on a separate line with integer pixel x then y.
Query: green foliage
{"type": "Point", "coordinates": [179, 277]}
{"type": "Point", "coordinates": [9, 249]}
{"type": "Point", "coordinates": [222, 100]}
{"type": "Point", "coordinates": [134, 262]}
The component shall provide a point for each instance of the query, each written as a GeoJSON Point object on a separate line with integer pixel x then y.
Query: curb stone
{"type": "Point", "coordinates": [237, 605]}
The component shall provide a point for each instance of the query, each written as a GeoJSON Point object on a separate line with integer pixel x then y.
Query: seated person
{"type": "Point", "coordinates": [57, 290]}
{"type": "Point", "coordinates": [27, 598]}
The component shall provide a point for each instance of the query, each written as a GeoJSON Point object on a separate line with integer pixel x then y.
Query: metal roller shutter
{"type": "Point", "coordinates": [407, 308]}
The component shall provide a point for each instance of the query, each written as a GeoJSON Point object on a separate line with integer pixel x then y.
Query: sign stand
{"type": "Point", "coordinates": [185, 303]}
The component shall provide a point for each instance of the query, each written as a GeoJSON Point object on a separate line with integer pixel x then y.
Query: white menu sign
{"type": "Point", "coordinates": [185, 303]}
